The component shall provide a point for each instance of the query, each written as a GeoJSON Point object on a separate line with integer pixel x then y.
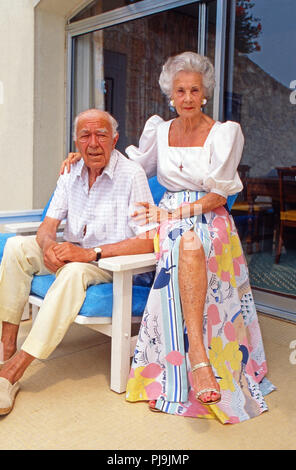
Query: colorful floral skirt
{"type": "Point", "coordinates": [161, 368]}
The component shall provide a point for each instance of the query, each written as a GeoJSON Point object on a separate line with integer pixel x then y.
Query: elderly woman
{"type": "Point", "coordinates": [199, 351]}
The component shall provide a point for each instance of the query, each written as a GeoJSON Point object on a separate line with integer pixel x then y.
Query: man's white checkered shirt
{"type": "Point", "coordinates": [102, 214]}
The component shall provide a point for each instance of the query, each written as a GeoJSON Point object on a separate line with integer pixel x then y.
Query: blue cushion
{"type": "Point", "coordinates": [156, 189]}
{"type": "Point", "coordinates": [231, 201]}
{"type": "Point", "coordinates": [99, 298]}
{"type": "Point", "coordinates": [3, 240]}
{"type": "Point", "coordinates": [46, 207]}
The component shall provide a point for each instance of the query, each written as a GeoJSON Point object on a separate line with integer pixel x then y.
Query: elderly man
{"type": "Point", "coordinates": [97, 199]}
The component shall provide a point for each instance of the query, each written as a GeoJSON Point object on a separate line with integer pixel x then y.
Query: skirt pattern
{"type": "Point", "coordinates": [161, 368]}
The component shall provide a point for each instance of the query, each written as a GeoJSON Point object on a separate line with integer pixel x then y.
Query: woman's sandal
{"type": "Point", "coordinates": [151, 405]}
{"type": "Point", "coordinates": [205, 390]}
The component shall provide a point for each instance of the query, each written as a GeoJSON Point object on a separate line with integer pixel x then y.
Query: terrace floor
{"type": "Point", "coordinates": [65, 404]}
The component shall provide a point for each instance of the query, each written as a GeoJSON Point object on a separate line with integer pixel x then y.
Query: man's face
{"type": "Point", "coordinates": [94, 140]}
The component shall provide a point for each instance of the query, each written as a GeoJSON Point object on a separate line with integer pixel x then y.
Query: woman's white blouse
{"type": "Point", "coordinates": [211, 168]}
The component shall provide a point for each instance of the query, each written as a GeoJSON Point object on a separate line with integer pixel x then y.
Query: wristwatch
{"type": "Point", "coordinates": [98, 251]}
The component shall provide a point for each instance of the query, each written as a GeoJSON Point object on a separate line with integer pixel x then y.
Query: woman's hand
{"type": "Point", "coordinates": [150, 214]}
{"type": "Point", "coordinates": [70, 160]}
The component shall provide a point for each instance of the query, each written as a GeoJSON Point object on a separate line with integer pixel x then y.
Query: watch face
{"type": "Point", "coordinates": [98, 251]}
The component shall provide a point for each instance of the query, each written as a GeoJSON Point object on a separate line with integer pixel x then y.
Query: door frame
{"type": "Point", "coordinates": [140, 10]}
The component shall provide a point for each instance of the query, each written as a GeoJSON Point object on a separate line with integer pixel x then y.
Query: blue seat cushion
{"type": "Point", "coordinates": [99, 298]}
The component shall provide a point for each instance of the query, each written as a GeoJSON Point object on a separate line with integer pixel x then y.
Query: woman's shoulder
{"type": "Point", "coordinates": [228, 126]}
{"type": "Point", "coordinates": [227, 129]}
{"type": "Point", "coordinates": [151, 126]}
{"type": "Point", "coordinates": [155, 125]}
{"type": "Point", "coordinates": [225, 137]}
{"type": "Point", "coordinates": [154, 120]}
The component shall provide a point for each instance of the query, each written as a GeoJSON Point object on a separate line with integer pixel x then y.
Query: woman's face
{"type": "Point", "coordinates": [188, 94]}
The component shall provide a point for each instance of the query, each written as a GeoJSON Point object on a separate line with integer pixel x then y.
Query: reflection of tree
{"type": "Point", "coordinates": [247, 27]}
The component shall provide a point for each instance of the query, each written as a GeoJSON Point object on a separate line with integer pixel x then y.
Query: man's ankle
{"type": "Point", "coordinates": [13, 370]}
{"type": "Point", "coordinates": [7, 350]}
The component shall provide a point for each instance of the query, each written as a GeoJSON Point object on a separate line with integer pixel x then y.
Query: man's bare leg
{"type": "Point", "coordinates": [14, 369]}
{"type": "Point", "coordinates": [9, 340]}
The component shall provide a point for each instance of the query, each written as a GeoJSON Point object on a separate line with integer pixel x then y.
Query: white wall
{"type": "Point", "coordinates": [32, 111]}
{"type": "Point", "coordinates": [49, 103]}
{"type": "Point", "coordinates": [16, 104]}
{"type": "Point", "coordinates": [50, 94]}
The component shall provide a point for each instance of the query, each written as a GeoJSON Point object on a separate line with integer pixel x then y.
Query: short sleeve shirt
{"type": "Point", "coordinates": [101, 214]}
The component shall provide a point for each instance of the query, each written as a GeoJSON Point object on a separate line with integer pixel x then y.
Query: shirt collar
{"type": "Point", "coordinates": [108, 170]}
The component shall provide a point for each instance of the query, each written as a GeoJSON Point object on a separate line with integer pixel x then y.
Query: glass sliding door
{"type": "Point", "coordinates": [261, 66]}
{"type": "Point", "coordinates": [117, 68]}
{"type": "Point", "coordinates": [260, 70]}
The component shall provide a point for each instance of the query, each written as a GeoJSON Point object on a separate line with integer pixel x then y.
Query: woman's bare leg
{"type": "Point", "coordinates": [193, 288]}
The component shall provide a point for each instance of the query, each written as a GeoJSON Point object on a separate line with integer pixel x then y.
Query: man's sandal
{"type": "Point", "coordinates": [205, 390]}
{"type": "Point", "coordinates": [8, 393]}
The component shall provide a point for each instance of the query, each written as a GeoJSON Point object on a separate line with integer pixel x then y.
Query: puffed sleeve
{"type": "Point", "coordinates": [146, 153]}
{"type": "Point", "coordinates": [225, 154]}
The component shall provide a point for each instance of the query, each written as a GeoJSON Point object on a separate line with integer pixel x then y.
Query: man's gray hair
{"type": "Point", "coordinates": [112, 120]}
{"type": "Point", "coordinates": [187, 62]}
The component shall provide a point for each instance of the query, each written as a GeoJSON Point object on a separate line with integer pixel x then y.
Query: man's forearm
{"type": "Point", "coordinates": [46, 234]}
{"type": "Point", "coordinates": [131, 246]}
{"type": "Point", "coordinates": [45, 238]}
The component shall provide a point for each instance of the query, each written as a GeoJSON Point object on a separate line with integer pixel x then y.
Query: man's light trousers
{"type": "Point", "coordinates": [22, 258]}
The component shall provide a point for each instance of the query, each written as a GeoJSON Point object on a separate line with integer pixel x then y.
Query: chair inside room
{"type": "Point", "coordinates": [250, 216]}
{"type": "Point", "coordinates": [287, 217]}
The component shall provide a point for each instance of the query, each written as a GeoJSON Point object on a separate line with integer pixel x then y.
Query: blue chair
{"type": "Point", "coordinates": [112, 307]}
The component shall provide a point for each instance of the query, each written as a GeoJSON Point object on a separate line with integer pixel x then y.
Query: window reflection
{"type": "Point", "coordinates": [118, 68]}
{"type": "Point", "coordinates": [259, 69]}
{"type": "Point", "coordinates": [101, 6]}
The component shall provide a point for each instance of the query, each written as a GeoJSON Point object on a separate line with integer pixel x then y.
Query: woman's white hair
{"type": "Point", "coordinates": [112, 120]}
{"type": "Point", "coordinates": [187, 62]}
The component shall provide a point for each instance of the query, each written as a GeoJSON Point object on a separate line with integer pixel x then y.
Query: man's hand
{"type": "Point", "coordinates": [51, 261]}
{"type": "Point", "coordinates": [67, 252]}
{"type": "Point", "coordinates": [46, 239]}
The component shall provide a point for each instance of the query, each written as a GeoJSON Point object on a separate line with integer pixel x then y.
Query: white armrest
{"type": "Point", "coordinates": [27, 227]}
{"type": "Point", "coordinates": [136, 263]}
{"type": "Point", "coordinates": [22, 227]}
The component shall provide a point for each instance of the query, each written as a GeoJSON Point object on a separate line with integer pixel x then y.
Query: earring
{"type": "Point", "coordinates": [204, 101]}
{"type": "Point", "coordinates": [172, 104]}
